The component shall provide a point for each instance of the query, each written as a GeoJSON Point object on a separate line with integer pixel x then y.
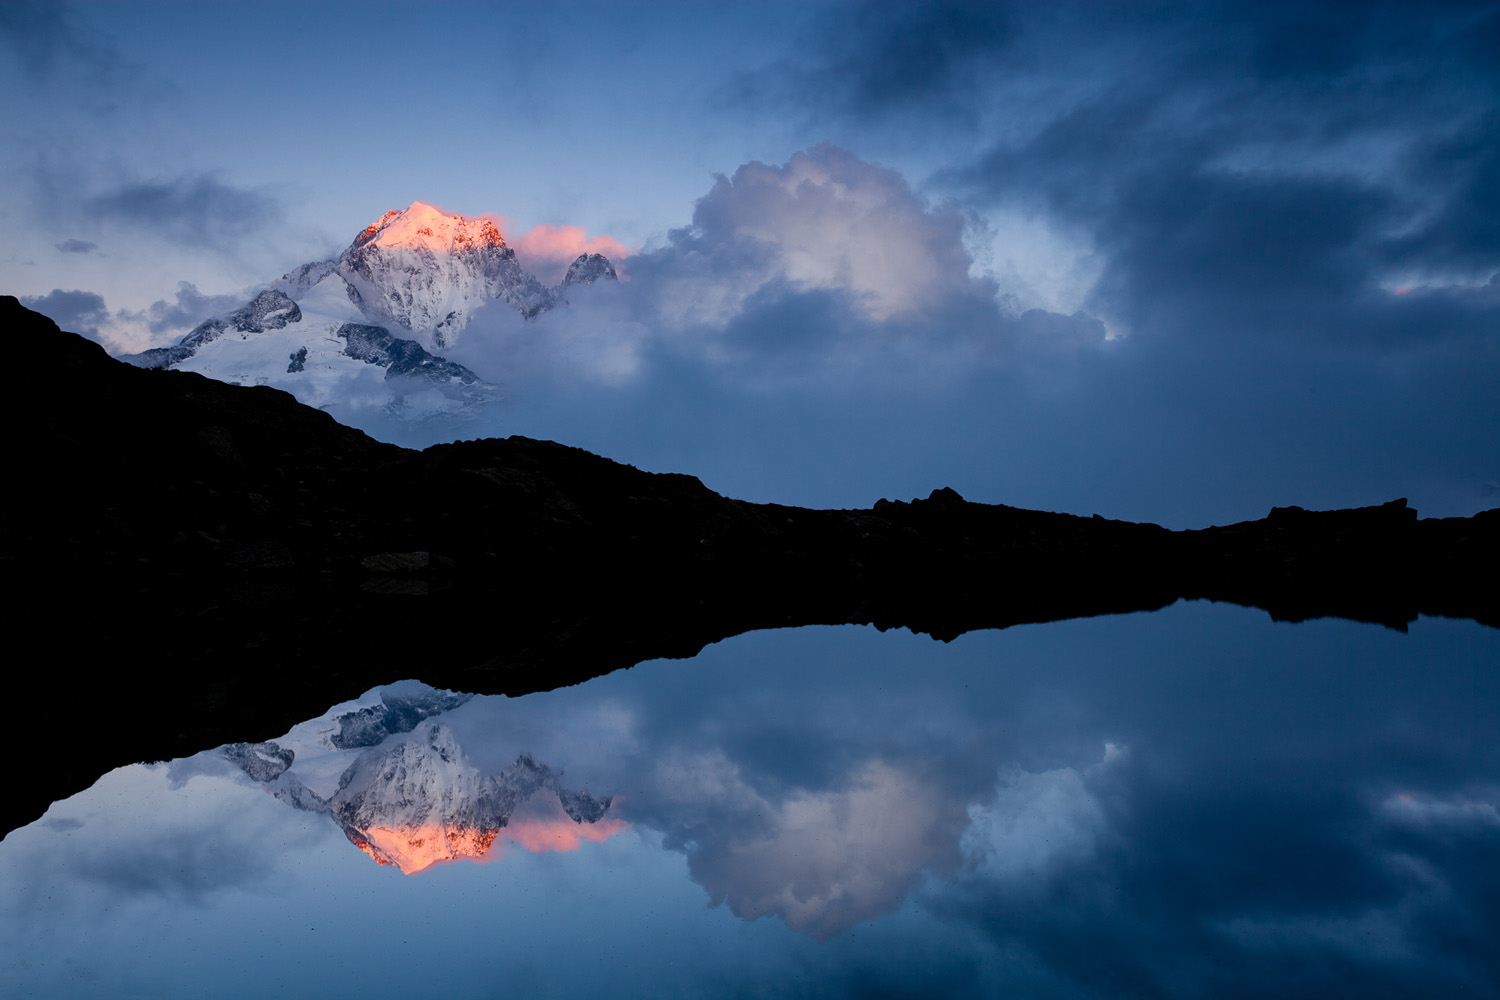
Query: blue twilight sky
{"type": "Point", "coordinates": [1166, 261]}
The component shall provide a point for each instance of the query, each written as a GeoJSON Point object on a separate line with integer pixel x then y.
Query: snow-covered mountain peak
{"type": "Point", "coordinates": [427, 226]}
{"type": "Point", "coordinates": [429, 272]}
{"type": "Point", "coordinates": [589, 268]}
{"type": "Point", "coordinates": [333, 331]}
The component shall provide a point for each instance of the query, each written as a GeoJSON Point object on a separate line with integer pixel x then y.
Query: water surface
{"type": "Point", "coordinates": [1195, 802]}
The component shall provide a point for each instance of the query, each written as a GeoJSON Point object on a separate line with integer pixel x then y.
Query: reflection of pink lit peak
{"type": "Point", "coordinates": [540, 826]}
{"type": "Point", "coordinates": [415, 800]}
{"type": "Point", "coordinates": [419, 801]}
{"type": "Point", "coordinates": [407, 794]}
{"type": "Point", "coordinates": [413, 849]}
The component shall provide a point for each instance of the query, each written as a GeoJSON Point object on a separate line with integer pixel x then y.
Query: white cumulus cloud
{"type": "Point", "coordinates": [824, 221]}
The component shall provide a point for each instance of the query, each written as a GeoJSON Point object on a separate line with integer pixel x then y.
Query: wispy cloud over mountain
{"type": "Point", "coordinates": [49, 41]}
{"type": "Point", "coordinates": [198, 211]}
{"type": "Point", "coordinates": [871, 61]}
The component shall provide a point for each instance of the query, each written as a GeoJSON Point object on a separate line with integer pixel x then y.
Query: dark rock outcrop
{"type": "Point", "coordinates": [589, 268]}
{"type": "Point", "coordinates": [367, 727]}
{"type": "Point", "coordinates": [262, 761]}
{"type": "Point", "coordinates": [399, 357]}
{"type": "Point", "coordinates": [208, 564]}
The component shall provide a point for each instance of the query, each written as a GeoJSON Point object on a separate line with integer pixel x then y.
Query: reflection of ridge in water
{"type": "Point", "coordinates": [411, 798]}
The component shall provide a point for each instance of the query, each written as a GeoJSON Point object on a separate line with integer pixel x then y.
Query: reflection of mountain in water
{"type": "Point", "coordinates": [421, 801]}
{"type": "Point", "coordinates": [412, 799]}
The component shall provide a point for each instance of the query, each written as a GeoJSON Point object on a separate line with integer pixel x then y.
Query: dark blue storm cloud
{"type": "Point", "coordinates": [871, 61]}
{"type": "Point", "coordinates": [1254, 171]}
{"type": "Point", "coordinates": [199, 210]}
{"type": "Point", "coordinates": [75, 311]}
{"type": "Point", "coordinates": [48, 41]}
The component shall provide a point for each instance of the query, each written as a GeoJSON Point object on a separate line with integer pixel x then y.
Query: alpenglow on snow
{"type": "Point", "coordinates": [396, 780]}
{"type": "Point", "coordinates": [368, 328]}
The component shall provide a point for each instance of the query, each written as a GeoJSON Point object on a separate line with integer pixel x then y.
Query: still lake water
{"type": "Point", "coordinates": [1193, 802]}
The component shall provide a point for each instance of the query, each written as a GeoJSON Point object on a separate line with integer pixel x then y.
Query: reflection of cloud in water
{"type": "Point", "coordinates": [143, 831]}
{"type": "Point", "coordinates": [1417, 810]}
{"type": "Point", "coordinates": [824, 861]}
{"type": "Point", "coordinates": [1036, 819]}
{"type": "Point", "coordinates": [541, 826]}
